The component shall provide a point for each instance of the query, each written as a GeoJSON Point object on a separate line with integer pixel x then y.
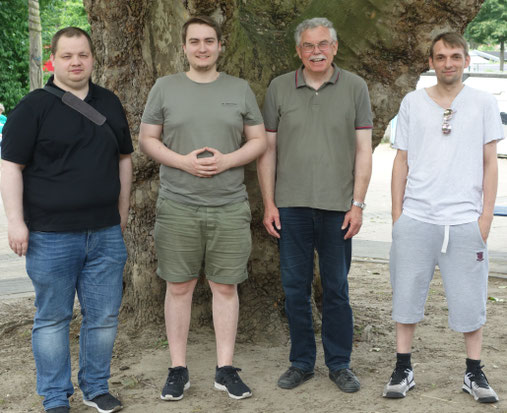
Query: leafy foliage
{"type": "Point", "coordinates": [14, 40]}
{"type": "Point", "coordinates": [490, 24]}
{"type": "Point", "coordinates": [56, 14]}
{"type": "Point", "coordinates": [14, 49]}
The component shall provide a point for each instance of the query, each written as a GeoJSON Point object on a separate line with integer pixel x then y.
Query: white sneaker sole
{"type": "Point", "coordinates": [490, 399]}
{"type": "Point", "coordinates": [93, 404]}
{"type": "Point", "coordinates": [398, 395]}
{"type": "Point", "coordinates": [221, 387]}
{"type": "Point", "coordinates": [172, 398]}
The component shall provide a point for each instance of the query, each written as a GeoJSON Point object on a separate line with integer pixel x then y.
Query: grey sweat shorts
{"type": "Point", "coordinates": [415, 251]}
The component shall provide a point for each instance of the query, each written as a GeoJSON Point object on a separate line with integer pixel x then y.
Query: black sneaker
{"type": "Point", "coordinates": [60, 409]}
{"type": "Point", "coordinates": [105, 403]}
{"type": "Point", "coordinates": [293, 377]}
{"type": "Point", "coordinates": [227, 379]}
{"type": "Point", "coordinates": [346, 380]}
{"type": "Point", "coordinates": [401, 381]}
{"type": "Point", "coordinates": [476, 384]}
{"type": "Point", "coordinates": [177, 382]}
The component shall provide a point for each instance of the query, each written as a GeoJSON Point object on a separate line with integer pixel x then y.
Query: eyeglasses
{"type": "Point", "coordinates": [446, 126]}
{"type": "Point", "coordinates": [310, 47]}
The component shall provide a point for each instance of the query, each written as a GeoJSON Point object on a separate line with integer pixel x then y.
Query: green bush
{"type": "Point", "coordinates": [14, 49]}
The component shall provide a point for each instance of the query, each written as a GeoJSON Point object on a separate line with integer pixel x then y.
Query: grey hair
{"type": "Point", "coordinates": [2, 108]}
{"type": "Point", "coordinates": [312, 24]}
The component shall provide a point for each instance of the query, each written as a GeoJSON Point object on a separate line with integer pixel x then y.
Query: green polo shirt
{"type": "Point", "coordinates": [316, 137]}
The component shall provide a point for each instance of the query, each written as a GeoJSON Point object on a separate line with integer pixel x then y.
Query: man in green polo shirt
{"type": "Point", "coordinates": [314, 176]}
{"type": "Point", "coordinates": [193, 125]}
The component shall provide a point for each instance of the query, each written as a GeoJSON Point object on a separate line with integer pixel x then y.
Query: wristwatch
{"type": "Point", "coordinates": [361, 205]}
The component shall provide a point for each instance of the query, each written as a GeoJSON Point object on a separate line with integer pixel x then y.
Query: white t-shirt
{"type": "Point", "coordinates": [445, 172]}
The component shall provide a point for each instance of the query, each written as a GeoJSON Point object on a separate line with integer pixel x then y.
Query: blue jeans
{"type": "Point", "coordinates": [59, 264]}
{"type": "Point", "coordinates": [303, 231]}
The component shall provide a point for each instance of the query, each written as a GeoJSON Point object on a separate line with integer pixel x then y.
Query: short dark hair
{"type": "Point", "coordinates": [450, 39]}
{"type": "Point", "coordinates": [208, 21]}
{"type": "Point", "coordinates": [70, 32]}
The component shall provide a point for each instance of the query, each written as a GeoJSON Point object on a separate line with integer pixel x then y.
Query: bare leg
{"type": "Point", "coordinates": [225, 320]}
{"type": "Point", "coordinates": [473, 344]}
{"type": "Point", "coordinates": [404, 337]}
{"type": "Point", "coordinates": [177, 309]}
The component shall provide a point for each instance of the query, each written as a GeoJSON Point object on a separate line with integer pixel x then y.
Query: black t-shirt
{"type": "Point", "coordinates": [71, 175]}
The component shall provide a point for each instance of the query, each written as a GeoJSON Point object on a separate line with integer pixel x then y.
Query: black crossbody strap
{"type": "Point", "coordinates": [79, 105]}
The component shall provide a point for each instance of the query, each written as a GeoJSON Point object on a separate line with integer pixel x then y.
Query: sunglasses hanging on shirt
{"type": "Point", "coordinates": [446, 126]}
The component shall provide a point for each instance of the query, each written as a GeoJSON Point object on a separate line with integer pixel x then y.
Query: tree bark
{"type": "Point", "coordinates": [35, 30]}
{"type": "Point", "coordinates": [137, 41]}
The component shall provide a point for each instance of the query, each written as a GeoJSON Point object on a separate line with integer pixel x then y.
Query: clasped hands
{"type": "Point", "coordinates": [205, 167]}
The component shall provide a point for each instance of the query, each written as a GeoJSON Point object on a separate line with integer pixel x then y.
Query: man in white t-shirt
{"type": "Point", "coordinates": [444, 185]}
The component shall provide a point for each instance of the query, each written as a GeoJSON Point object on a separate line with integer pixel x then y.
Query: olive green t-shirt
{"type": "Point", "coordinates": [194, 115]}
{"type": "Point", "coordinates": [316, 138]}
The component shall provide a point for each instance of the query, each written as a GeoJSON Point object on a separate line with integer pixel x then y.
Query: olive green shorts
{"type": "Point", "coordinates": [187, 236]}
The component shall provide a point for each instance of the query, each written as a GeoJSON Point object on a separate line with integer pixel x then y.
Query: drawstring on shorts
{"type": "Point", "coordinates": [446, 240]}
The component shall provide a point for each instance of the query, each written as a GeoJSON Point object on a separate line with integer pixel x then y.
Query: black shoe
{"type": "Point", "coordinates": [59, 409]}
{"type": "Point", "coordinates": [293, 377]}
{"type": "Point", "coordinates": [227, 379]}
{"type": "Point", "coordinates": [105, 403]}
{"type": "Point", "coordinates": [177, 382]}
{"type": "Point", "coordinates": [346, 380]}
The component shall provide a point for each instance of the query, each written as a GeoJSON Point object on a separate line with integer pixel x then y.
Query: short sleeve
{"type": "Point", "coordinates": [270, 109]}
{"type": "Point", "coordinates": [493, 127]}
{"type": "Point", "coordinates": [252, 115]}
{"type": "Point", "coordinates": [153, 112]}
{"type": "Point", "coordinates": [19, 134]}
{"type": "Point", "coordinates": [363, 108]}
{"type": "Point", "coordinates": [402, 126]}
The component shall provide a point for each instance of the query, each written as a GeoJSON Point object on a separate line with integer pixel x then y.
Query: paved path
{"type": "Point", "coordinates": [372, 243]}
{"type": "Point", "coordinates": [13, 279]}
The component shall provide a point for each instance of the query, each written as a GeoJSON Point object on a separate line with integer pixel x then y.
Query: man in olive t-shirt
{"type": "Point", "coordinates": [193, 125]}
{"type": "Point", "coordinates": [314, 178]}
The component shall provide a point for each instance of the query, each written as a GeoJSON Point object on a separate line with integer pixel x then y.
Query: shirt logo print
{"type": "Point", "coordinates": [480, 256]}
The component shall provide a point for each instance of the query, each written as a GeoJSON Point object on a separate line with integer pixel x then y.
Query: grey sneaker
{"type": "Point", "coordinates": [346, 380]}
{"type": "Point", "coordinates": [401, 381]}
{"type": "Point", "coordinates": [177, 382]}
{"type": "Point", "coordinates": [227, 379]}
{"type": "Point", "coordinates": [293, 377]}
{"type": "Point", "coordinates": [476, 384]}
{"type": "Point", "coordinates": [105, 403]}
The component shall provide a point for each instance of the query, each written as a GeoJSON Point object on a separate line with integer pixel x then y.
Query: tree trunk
{"type": "Point", "coordinates": [137, 41]}
{"type": "Point", "coordinates": [35, 30]}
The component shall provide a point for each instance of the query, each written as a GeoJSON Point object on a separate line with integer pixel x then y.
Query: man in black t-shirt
{"type": "Point", "coordinates": [66, 185]}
